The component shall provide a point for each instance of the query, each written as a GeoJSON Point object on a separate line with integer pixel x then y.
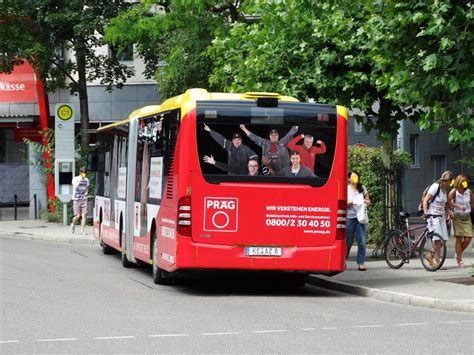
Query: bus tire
{"type": "Point", "coordinates": [125, 262]}
{"type": "Point", "coordinates": [160, 276]}
{"type": "Point", "coordinates": [106, 249]}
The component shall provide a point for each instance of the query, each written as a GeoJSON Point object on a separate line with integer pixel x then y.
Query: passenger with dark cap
{"type": "Point", "coordinates": [238, 153]}
{"type": "Point", "coordinates": [274, 149]}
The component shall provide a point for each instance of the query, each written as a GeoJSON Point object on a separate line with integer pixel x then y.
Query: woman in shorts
{"type": "Point", "coordinates": [462, 199]}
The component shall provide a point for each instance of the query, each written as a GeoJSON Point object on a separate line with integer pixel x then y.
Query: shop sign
{"type": "Point", "coordinates": [19, 85]}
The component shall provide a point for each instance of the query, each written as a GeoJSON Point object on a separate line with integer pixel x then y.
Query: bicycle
{"type": "Point", "coordinates": [401, 245]}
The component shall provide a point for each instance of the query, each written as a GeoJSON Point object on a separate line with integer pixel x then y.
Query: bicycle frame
{"type": "Point", "coordinates": [407, 235]}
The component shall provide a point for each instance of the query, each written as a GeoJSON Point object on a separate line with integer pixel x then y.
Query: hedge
{"type": "Point", "coordinates": [368, 163]}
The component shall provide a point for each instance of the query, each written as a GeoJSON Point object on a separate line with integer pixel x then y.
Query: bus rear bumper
{"type": "Point", "coordinates": [321, 259]}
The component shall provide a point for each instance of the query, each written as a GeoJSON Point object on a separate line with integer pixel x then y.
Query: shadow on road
{"type": "Point", "coordinates": [244, 283]}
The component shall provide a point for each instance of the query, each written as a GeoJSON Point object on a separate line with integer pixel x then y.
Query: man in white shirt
{"type": "Point", "coordinates": [80, 187]}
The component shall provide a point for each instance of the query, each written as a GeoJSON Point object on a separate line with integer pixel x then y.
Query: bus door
{"type": "Point", "coordinates": [155, 147]}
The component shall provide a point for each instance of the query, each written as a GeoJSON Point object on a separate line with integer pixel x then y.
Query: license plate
{"type": "Point", "coordinates": [262, 251]}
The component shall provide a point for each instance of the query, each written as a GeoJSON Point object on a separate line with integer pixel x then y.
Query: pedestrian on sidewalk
{"type": "Point", "coordinates": [436, 202]}
{"type": "Point", "coordinates": [80, 187]}
{"type": "Point", "coordinates": [357, 197]}
{"type": "Point", "coordinates": [462, 200]}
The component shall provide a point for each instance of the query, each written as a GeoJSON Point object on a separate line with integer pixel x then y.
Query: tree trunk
{"type": "Point", "coordinates": [83, 100]}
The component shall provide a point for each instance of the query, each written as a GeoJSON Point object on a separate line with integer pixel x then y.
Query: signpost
{"type": "Point", "coordinates": [64, 165]}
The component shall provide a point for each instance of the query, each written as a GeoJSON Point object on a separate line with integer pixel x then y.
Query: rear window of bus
{"type": "Point", "coordinates": [226, 117]}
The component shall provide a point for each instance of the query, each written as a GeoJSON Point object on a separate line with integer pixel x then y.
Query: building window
{"type": "Point", "coordinates": [12, 151]}
{"type": "Point", "coordinates": [438, 166]}
{"type": "Point", "coordinates": [122, 55]}
{"type": "Point", "coordinates": [414, 150]}
{"type": "Point", "coordinates": [358, 127]}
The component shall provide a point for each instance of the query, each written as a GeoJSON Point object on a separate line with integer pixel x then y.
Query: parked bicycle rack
{"type": "Point", "coordinates": [17, 202]}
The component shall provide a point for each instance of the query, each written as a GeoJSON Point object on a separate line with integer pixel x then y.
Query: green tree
{"type": "Point", "coordinates": [314, 51]}
{"type": "Point", "coordinates": [172, 37]}
{"type": "Point", "coordinates": [430, 45]}
{"type": "Point", "coordinates": [35, 30]}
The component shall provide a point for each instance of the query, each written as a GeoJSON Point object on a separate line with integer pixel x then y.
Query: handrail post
{"type": "Point", "coordinates": [15, 198]}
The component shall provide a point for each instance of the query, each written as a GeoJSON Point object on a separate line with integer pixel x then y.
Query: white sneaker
{"type": "Point", "coordinates": [73, 228]}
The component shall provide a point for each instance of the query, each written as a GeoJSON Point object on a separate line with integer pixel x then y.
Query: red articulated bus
{"type": "Point", "coordinates": [208, 181]}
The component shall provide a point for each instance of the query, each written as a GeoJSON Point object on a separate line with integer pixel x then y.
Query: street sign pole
{"type": "Point", "coordinates": [64, 165]}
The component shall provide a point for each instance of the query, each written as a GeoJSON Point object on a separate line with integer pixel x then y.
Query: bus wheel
{"type": "Point", "coordinates": [107, 250]}
{"type": "Point", "coordinates": [159, 275]}
{"type": "Point", "coordinates": [125, 262]}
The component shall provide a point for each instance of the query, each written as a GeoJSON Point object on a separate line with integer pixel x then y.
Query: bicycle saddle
{"type": "Point", "coordinates": [404, 214]}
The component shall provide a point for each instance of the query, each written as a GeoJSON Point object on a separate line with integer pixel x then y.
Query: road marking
{"type": "Point", "coordinates": [270, 331]}
{"type": "Point", "coordinates": [224, 333]}
{"type": "Point", "coordinates": [467, 321]}
{"type": "Point", "coordinates": [367, 326]}
{"type": "Point", "coordinates": [59, 339]}
{"type": "Point", "coordinates": [410, 324]}
{"type": "Point", "coordinates": [118, 337]}
{"type": "Point", "coordinates": [329, 328]}
{"type": "Point", "coordinates": [307, 329]}
{"type": "Point", "coordinates": [450, 322]}
{"type": "Point", "coordinates": [9, 341]}
{"type": "Point", "coordinates": [167, 335]}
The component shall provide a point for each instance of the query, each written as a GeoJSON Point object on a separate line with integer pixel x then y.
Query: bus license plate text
{"type": "Point", "coordinates": [262, 251]}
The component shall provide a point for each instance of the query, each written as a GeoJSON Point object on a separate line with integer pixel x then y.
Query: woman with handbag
{"type": "Point", "coordinates": [357, 202]}
{"type": "Point", "coordinates": [462, 200]}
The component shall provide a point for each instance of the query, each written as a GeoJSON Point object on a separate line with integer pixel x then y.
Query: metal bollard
{"type": "Point", "coordinates": [15, 205]}
{"type": "Point", "coordinates": [36, 206]}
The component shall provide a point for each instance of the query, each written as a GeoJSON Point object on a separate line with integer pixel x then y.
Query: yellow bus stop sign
{"type": "Point", "coordinates": [65, 112]}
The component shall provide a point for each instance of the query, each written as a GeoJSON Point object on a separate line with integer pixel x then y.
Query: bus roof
{"type": "Point", "coordinates": [188, 99]}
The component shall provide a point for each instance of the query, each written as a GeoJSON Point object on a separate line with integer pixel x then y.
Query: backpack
{"type": "Point", "coordinates": [425, 191]}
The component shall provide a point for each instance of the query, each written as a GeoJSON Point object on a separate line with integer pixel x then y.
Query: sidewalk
{"type": "Point", "coordinates": [451, 290]}
{"type": "Point", "coordinates": [41, 230]}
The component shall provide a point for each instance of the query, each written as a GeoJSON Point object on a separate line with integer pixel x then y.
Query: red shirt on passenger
{"type": "Point", "coordinates": [308, 156]}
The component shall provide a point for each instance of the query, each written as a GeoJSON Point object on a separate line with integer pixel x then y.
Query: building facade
{"type": "Point", "coordinates": [431, 155]}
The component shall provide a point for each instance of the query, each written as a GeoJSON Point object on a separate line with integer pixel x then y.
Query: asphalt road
{"type": "Point", "coordinates": [63, 298]}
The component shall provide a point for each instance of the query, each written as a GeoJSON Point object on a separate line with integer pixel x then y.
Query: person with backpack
{"type": "Point", "coordinates": [462, 200]}
{"type": "Point", "coordinates": [436, 202]}
{"type": "Point", "coordinates": [357, 198]}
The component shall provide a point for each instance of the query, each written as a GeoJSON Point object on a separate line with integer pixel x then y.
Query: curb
{"type": "Point", "coordinates": [48, 238]}
{"type": "Point", "coordinates": [389, 296]}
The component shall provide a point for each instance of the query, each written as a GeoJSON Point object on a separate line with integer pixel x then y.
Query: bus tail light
{"type": "Point", "coordinates": [184, 216]}
{"type": "Point", "coordinates": [341, 219]}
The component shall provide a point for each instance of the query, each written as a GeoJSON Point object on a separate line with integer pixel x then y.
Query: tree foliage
{"type": "Point", "coordinates": [311, 50]}
{"type": "Point", "coordinates": [388, 60]}
{"type": "Point", "coordinates": [173, 37]}
{"type": "Point", "coordinates": [429, 44]}
{"type": "Point", "coordinates": [34, 30]}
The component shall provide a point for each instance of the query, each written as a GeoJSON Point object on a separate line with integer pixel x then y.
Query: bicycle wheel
{"type": "Point", "coordinates": [428, 257]}
{"type": "Point", "coordinates": [395, 248]}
